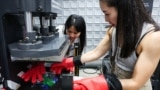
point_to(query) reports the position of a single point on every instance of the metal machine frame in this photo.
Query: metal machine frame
(22, 42)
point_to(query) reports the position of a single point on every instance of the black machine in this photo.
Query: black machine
(23, 41)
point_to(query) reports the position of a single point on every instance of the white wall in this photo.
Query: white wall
(156, 11)
(94, 18)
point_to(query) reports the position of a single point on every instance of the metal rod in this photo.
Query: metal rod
(76, 72)
(3, 54)
(28, 21)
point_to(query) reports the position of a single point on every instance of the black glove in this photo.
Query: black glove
(113, 82)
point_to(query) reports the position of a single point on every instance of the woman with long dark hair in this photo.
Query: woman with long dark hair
(134, 39)
(75, 29)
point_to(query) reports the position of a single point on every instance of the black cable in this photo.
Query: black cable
(96, 68)
(84, 70)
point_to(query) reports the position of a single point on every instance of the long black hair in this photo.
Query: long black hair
(131, 16)
(79, 23)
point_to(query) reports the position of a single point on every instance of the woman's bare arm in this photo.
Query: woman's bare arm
(100, 50)
(146, 63)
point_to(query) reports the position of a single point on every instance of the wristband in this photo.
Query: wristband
(77, 60)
